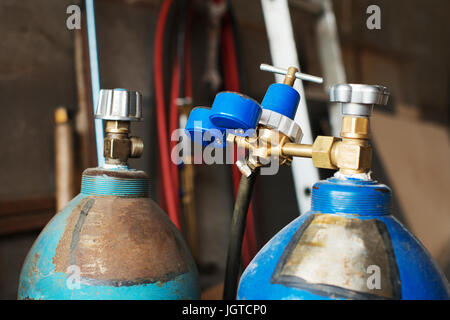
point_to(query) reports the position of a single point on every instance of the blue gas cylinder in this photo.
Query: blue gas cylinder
(347, 247)
(110, 242)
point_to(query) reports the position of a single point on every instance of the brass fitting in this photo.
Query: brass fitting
(118, 145)
(322, 151)
(289, 78)
(297, 150)
(353, 154)
(355, 127)
(265, 146)
(350, 154)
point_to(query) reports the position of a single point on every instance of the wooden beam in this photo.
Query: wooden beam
(25, 214)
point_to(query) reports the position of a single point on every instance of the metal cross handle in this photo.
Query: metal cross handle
(298, 75)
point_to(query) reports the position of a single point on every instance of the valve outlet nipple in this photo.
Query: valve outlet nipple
(137, 147)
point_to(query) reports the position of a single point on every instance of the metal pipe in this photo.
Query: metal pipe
(241, 206)
(297, 150)
(298, 75)
(95, 78)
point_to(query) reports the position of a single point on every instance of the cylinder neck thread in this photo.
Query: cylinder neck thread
(351, 196)
(118, 182)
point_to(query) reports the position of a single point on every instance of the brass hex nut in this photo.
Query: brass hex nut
(353, 157)
(117, 126)
(117, 149)
(321, 152)
(355, 127)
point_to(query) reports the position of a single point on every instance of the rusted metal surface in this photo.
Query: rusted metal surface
(121, 174)
(121, 240)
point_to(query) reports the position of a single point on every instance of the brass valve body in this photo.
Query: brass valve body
(322, 151)
(350, 154)
(355, 128)
(265, 146)
(353, 154)
(118, 145)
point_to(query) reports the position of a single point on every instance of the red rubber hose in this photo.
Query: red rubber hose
(187, 59)
(168, 187)
(173, 125)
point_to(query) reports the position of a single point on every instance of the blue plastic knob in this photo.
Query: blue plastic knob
(281, 98)
(233, 110)
(200, 129)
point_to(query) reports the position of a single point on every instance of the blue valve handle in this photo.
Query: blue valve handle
(233, 110)
(201, 130)
(282, 99)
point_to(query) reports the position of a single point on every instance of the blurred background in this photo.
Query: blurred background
(44, 66)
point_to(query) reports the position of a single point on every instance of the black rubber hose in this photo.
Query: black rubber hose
(238, 221)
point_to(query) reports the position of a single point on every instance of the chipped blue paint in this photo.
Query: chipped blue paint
(419, 274)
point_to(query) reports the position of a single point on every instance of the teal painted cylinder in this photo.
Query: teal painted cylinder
(110, 242)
